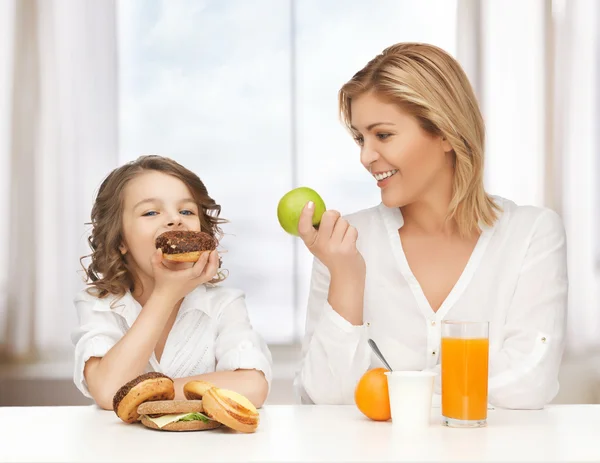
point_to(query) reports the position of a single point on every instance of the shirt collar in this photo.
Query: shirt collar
(392, 218)
(198, 299)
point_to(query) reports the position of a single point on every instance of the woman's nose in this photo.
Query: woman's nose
(368, 156)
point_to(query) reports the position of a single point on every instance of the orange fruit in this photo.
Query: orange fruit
(371, 395)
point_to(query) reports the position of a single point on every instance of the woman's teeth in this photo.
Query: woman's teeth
(384, 175)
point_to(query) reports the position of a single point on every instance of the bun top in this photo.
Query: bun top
(196, 389)
(124, 390)
(170, 407)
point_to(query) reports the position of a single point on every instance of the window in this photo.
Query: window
(245, 94)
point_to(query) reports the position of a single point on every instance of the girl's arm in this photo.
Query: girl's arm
(250, 383)
(129, 357)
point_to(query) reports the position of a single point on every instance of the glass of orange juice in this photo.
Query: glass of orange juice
(464, 355)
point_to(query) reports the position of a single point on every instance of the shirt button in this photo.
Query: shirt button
(432, 322)
(433, 353)
(368, 324)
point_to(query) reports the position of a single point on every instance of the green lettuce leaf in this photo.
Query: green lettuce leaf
(195, 417)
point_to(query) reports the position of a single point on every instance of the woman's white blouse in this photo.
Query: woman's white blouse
(516, 278)
(212, 332)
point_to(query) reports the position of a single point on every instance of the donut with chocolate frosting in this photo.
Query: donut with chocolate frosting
(185, 245)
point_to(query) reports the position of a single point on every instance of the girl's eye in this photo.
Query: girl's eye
(187, 212)
(149, 213)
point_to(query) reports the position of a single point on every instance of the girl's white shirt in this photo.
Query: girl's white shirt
(212, 332)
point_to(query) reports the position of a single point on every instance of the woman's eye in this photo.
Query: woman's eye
(149, 213)
(383, 136)
(187, 212)
(359, 140)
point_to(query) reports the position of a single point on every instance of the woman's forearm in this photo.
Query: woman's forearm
(346, 296)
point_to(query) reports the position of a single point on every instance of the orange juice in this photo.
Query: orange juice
(464, 378)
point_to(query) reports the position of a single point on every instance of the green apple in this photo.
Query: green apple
(291, 204)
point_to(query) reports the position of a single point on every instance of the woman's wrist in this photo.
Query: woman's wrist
(348, 276)
(346, 296)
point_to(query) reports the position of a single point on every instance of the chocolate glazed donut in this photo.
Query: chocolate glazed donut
(184, 246)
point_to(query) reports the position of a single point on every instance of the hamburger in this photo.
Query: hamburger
(184, 245)
(175, 415)
(149, 398)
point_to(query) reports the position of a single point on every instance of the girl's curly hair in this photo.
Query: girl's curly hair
(108, 272)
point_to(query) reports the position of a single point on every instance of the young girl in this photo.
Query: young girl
(141, 313)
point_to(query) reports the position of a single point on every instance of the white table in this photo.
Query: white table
(301, 433)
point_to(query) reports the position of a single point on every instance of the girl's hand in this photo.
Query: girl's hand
(177, 284)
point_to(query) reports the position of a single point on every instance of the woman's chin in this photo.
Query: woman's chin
(391, 200)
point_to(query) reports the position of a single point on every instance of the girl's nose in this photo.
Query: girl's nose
(174, 221)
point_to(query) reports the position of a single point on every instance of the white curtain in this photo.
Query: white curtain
(535, 68)
(577, 132)
(58, 138)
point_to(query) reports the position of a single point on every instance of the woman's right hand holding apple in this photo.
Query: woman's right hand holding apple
(334, 244)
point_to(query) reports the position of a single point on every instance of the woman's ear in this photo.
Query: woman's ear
(123, 249)
(446, 146)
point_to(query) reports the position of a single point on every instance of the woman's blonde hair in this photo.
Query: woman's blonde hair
(429, 84)
(108, 272)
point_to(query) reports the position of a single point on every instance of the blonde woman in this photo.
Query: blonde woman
(437, 247)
